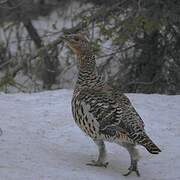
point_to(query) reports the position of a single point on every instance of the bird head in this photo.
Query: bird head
(78, 43)
(80, 46)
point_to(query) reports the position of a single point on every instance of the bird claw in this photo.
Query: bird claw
(98, 163)
(132, 168)
(130, 171)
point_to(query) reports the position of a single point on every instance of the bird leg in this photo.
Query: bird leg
(134, 155)
(133, 167)
(102, 155)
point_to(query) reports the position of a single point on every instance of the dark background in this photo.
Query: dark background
(137, 43)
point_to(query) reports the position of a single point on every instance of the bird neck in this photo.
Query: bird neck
(86, 61)
(87, 75)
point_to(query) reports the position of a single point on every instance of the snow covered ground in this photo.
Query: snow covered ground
(40, 140)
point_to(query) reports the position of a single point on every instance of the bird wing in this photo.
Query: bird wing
(113, 114)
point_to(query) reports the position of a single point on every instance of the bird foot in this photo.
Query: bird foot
(98, 163)
(132, 168)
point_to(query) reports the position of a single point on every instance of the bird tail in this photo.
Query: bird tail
(149, 145)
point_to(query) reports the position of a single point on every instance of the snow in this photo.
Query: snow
(40, 140)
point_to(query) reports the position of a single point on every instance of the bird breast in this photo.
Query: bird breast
(84, 119)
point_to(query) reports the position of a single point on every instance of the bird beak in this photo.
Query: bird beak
(65, 38)
(68, 41)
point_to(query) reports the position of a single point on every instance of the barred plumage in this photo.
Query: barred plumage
(102, 112)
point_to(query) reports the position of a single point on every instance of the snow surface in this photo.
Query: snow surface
(40, 140)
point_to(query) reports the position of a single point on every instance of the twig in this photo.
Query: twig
(3, 2)
(11, 8)
(117, 51)
(5, 64)
(143, 83)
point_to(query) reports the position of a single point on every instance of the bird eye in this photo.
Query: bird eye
(76, 38)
